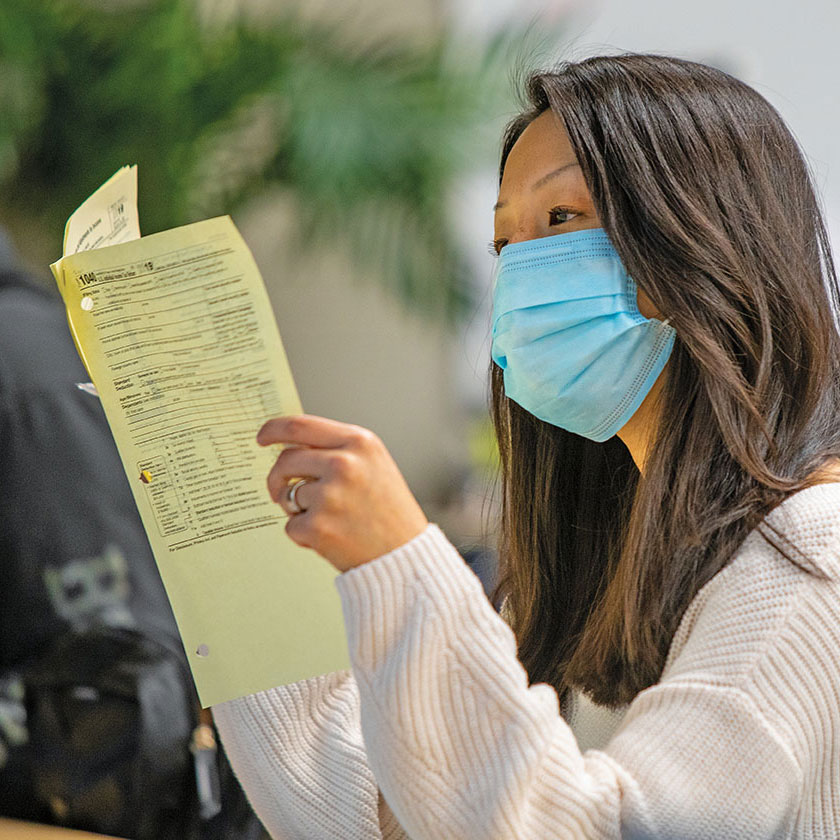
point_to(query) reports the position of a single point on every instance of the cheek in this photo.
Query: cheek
(646, 306)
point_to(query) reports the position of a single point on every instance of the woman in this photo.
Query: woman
(670, 538)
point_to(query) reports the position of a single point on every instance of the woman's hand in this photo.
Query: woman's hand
(357, 506)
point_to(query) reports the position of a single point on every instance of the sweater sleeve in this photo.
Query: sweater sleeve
(462, 747)
(297, 750)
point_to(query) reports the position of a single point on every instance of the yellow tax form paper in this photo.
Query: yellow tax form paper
(179, 338)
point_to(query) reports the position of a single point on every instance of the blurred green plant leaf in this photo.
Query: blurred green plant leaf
(365, 137)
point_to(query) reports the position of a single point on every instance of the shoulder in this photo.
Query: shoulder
(36, 348)
(760, 593)
(26, 307)
(769, 629)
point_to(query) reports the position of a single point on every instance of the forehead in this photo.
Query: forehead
(542, 146)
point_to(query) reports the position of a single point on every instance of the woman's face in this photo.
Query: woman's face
(543, 192)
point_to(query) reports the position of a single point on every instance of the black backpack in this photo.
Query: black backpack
(110, 713)
(116, 744)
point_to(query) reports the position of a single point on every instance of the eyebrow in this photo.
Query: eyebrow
(539, 182)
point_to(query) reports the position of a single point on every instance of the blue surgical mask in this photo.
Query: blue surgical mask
(575, 350)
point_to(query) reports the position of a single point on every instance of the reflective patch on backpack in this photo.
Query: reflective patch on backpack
(93, 590)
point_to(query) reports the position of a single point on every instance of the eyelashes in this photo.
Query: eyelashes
(496, 245)
(559, 211)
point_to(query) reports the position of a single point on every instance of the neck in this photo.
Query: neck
(637, 433)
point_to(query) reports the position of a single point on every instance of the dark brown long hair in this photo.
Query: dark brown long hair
(708, 201)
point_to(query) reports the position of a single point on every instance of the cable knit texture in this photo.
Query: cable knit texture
(436, 733)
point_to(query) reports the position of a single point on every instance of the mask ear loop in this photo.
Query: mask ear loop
(666, 322)
(496, 271)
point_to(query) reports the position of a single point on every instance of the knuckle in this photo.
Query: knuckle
(293, 426)
(343, 465)
(295, 528)
(324, 529)
(329, 497)
(275, 484)
(362, 437)
(296, 533)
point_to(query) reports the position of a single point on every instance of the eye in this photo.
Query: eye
(555, 217)
(556, 214)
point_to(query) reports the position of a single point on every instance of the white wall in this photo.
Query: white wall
(789, 52)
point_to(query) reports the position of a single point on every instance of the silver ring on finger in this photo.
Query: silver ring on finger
(291, 493)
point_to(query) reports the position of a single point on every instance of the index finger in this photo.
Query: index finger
(307, 430)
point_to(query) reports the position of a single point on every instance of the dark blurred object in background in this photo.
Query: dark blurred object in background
(97, 707)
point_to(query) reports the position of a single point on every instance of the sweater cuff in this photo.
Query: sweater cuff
(379, 597)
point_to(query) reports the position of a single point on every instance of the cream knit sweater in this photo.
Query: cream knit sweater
(740, 739)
